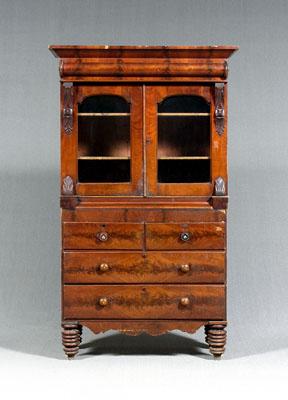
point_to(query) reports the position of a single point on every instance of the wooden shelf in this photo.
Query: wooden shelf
(128, 114)
(128, 158)
(102, 158)
(185, 158)
(183, 114)
(103, 114)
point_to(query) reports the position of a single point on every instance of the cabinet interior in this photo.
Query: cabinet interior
(183, 147)
(183, 150)
(104, 139)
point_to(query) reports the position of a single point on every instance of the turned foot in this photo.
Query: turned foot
(206, 327)
(216, 338)
(71, 338)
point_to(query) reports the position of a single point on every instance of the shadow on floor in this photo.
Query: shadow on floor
(45, 341)
(167, 344)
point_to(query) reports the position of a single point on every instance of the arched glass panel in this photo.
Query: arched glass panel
(183, 140)
(104, 139)
(104, 104)
(184, 104)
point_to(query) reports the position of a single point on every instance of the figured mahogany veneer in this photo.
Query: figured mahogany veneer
(112, 63)
(199, 236)
(139, 213)
(139, 301)
(131, 236)
(87, 235)
(141, 267)
(144, 190)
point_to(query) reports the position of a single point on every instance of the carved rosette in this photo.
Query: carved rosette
(68, 185)
(71, 338)
(68, 108)
(216, 338)
(220, 187)
(219, 108)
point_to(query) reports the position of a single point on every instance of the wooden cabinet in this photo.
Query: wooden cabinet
(143, 190)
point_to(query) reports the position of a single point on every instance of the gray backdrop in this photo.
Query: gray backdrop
(29, 146)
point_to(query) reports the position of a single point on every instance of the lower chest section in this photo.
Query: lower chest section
(141, 268)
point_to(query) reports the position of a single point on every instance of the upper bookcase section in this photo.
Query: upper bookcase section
(143, 63)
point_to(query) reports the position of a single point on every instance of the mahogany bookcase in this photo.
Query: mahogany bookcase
(143, 190)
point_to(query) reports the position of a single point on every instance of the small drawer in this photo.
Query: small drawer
(138, 267)
(90, 235)
(144, 302)
(198, 236)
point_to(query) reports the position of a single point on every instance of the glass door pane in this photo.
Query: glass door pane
(183, 150)
(108, 146)
(104, 151)
(179, 133)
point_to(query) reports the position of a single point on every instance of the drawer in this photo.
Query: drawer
(138, 267)
(144, 301)
(90, 235)
(196, 236)
(143, 214)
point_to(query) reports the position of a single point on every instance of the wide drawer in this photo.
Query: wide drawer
(139, 267)
(139, 301)
(90, 235)
(198, 236)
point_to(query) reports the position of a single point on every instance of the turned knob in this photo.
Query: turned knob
(102, 236)
(185, 268)
(103, 301)
(185, 236)
(184, 301)
(103, 267)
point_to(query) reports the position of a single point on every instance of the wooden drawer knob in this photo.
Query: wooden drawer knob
(184, 301)
(103, 267)
(185, 236)
(103, 301)
(102, 236)
(185, 268)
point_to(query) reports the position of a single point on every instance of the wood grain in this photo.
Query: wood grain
(107, 51)
(149, 301)
(203, 236)
(137, 327)
(83, 235)
(138, 267)
(152, 280)
(152, 213)
(142, 62)
(133, 95)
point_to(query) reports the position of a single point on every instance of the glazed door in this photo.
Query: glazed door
(103, 154)
(184, 153)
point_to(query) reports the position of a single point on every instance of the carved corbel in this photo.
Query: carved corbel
(219, 108)
(68, 108)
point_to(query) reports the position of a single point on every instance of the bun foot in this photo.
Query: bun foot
(71, 339)
(216, 338)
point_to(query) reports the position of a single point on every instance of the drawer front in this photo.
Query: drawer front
(199, 236)
(144, 214)
(90, 235)
(139, 301)
(152, 267)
